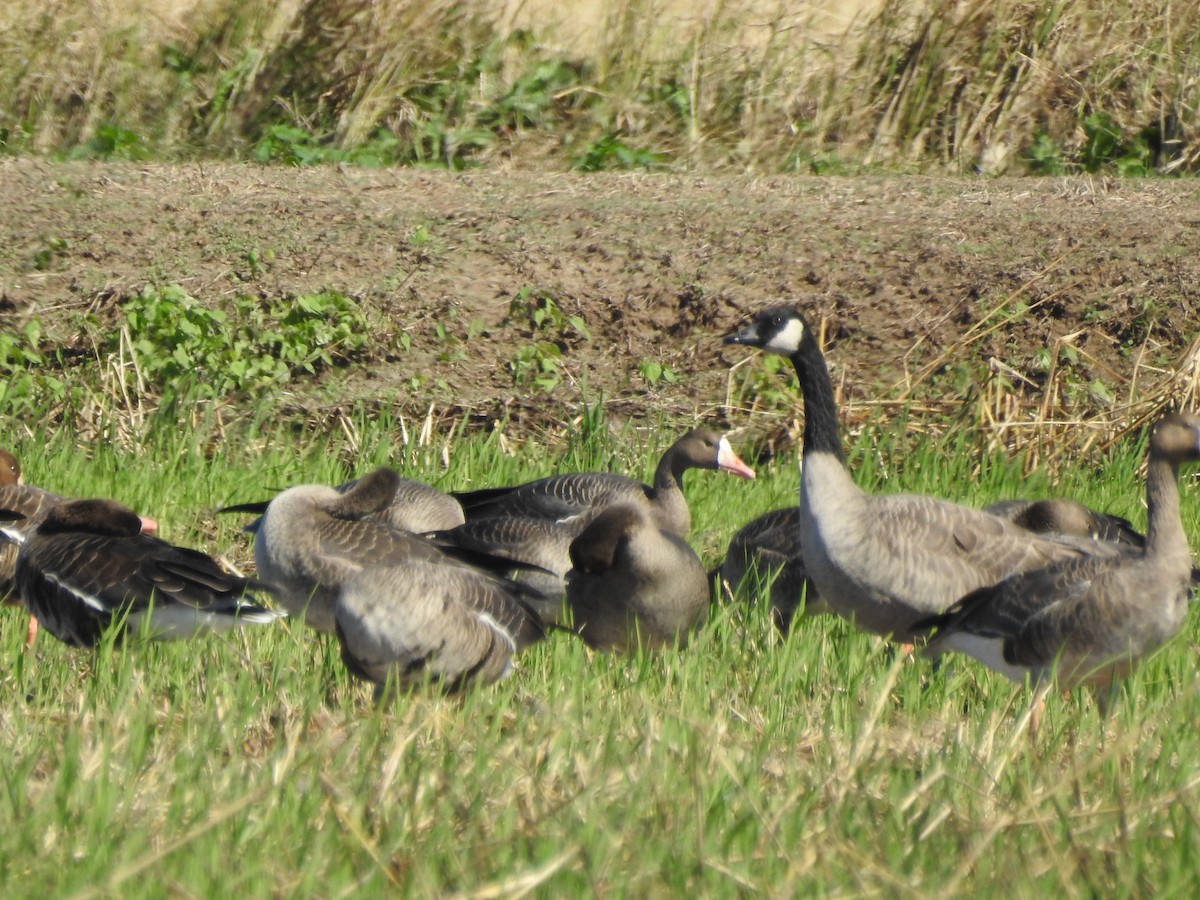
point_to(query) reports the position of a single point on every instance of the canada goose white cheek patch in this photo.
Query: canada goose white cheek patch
(788, 339)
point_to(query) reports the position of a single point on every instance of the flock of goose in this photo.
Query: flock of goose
(418, 584)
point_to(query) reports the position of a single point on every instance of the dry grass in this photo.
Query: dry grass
(745, 84)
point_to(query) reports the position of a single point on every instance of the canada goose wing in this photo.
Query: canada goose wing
(943, 548)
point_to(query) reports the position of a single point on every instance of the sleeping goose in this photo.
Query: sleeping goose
(1089, 620)
(886, 561)
(431, 619)
(573, 499)
(88, 565)
(633, 582)
(312, 539)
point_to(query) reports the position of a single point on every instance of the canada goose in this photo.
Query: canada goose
(543, 543)
(768, 549)
(88, 565)
(1088, 620)
(634, 582)
(573, 499)
(430, 619)
(311, 540)
(10, 469)
(886, 561)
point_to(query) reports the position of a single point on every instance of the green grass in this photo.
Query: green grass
(252, 764)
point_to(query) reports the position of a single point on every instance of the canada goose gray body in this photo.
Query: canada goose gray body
(426, 619)
(634, 582)
(1089, 619)
(886, 561)
(573, 499)
(88, 566)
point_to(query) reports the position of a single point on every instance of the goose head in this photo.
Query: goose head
(10, 469)
(371, 494)
(703, 448)
(1176, 437)
(780, 329)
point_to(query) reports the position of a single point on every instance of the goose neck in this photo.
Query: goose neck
(1164, 532)
(821, 433)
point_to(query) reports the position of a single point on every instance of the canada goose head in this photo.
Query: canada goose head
(1176, 437)
(10, 469)
(780, 329)
(93, 516)
(703, 448)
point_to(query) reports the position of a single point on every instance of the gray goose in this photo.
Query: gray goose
(312, 539)
(88, 566)
(572, 499)
(1089, 620)
(633, 582)
(886, 561)
(428, 619)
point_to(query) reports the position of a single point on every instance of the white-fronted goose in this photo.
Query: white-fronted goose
(1089, 620)
(765, 554)
(634, 582)
(572, 499)
(312, 539)
(886, 561)
(429, 619)
(1067, 517)
(89, 566)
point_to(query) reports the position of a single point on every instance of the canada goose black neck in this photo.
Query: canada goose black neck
(783, 330)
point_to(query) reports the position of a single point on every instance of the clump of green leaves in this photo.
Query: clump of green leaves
(182, 345)
(553, 331)
(612, 152)
(27, 385)
(770, 385)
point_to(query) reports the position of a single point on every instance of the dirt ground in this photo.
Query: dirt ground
(658, 267)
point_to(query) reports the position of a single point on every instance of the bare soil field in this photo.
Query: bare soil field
(894, 270)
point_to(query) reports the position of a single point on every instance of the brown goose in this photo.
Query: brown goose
(573, 499)
(429, 619)
(88, 566)
(1067, 517)
(634, 582)
(10, 469)
(886, 561)
(765, 553)
(312, 539)
(416, 507)
(1089, 620)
